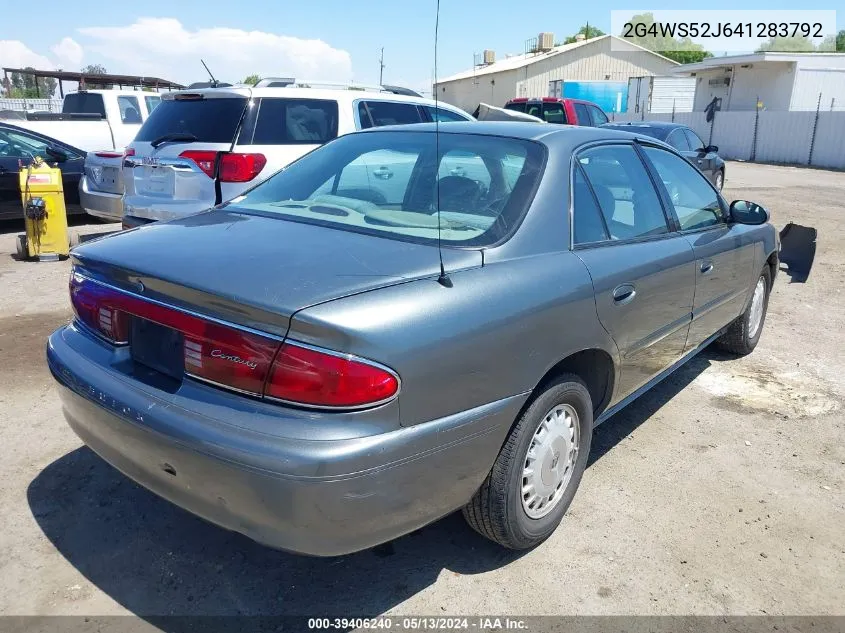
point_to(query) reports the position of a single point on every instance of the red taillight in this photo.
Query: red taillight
(109, 154)
(230, 357)
(241, 167)
(233, 167)
(129, 151)
(204, 159)
(306, 376)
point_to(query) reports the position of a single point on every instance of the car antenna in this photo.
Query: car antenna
(214, 82)
(443, 279)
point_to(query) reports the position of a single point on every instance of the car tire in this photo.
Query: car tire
(743, 334)
(499, 510)
(719, 179)
(20, 247)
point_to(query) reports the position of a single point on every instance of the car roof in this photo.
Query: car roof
(658, 129)
(547, 133)
(340, 95)
(550, 100)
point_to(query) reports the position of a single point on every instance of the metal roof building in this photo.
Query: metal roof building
(545, 68)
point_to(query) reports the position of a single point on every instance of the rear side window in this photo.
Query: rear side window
(625, 193)
(84, 103)
(583, 114)
(443, 116)
(586, 217)
(209, 120)
(554, 113)
(518, 106)
(379, 113)
(294, 121)
(129, 112)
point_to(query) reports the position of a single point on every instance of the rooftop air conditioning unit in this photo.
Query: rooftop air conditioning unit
(546, 41)
(489, 57)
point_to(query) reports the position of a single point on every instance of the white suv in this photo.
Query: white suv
(203, 147)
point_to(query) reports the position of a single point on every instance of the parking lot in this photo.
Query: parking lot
(718, 492)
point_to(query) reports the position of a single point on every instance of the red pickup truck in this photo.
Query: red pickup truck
(557, 110)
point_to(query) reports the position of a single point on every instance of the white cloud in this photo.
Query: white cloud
(162, 47)
(68, 53)
(16, 54)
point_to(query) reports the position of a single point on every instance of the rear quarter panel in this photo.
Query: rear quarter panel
(494, 334)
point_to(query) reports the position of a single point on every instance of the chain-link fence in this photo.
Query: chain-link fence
(792, 137)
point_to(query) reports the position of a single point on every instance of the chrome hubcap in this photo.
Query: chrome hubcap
(719, 178)
(758, 301)
(550, 461)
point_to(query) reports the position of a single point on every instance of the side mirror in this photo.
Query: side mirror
(56, 154)
(744, 212)
(711, 149)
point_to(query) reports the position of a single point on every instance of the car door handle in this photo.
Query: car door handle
(624, 294)
(3, 170)
(383, 173)
(706, 267)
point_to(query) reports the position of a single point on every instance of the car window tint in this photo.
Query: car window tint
(84, 103)
(598, 117)
(17, 145)
(696, 203)
(443, 116)
(535, 109)
(129, 109)
(391, 113)
(295, 122)
(393, 184)
(695, 141)
(678, 140)
(586, 219)
(582, 114)
(626, 195)
(209, 120)
(519, 106)
(152, 102)
(554, 113)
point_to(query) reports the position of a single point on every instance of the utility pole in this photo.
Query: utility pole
(381, 67)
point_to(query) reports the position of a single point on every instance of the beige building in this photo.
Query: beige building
(543, 72)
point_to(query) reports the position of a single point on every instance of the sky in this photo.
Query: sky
(330, 40)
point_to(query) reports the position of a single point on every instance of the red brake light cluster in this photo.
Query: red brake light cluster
(232, 167)
(229, 357)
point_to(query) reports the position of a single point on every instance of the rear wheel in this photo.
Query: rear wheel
(538, 470)
(743, 334)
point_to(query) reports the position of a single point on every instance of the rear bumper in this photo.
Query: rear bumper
(153, 210)
(319, 497)
(108, 206)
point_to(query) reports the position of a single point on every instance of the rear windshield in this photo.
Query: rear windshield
(519, 106)
(393, 183)
(84, 103)
(274, 121)
(209, 120)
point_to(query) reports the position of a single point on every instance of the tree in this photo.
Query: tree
(587, 31)
(94, 69)
(787, 45)
(24, 86)
(251, 80)
(840, 41)
(682, 49)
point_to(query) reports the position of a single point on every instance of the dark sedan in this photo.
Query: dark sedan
(404, 323)
(19, 146)
(683, 139)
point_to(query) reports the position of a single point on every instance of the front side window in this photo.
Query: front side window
(395, 184)
(129, 109)
(16, 145)
(625, 193)
(443, 116)
(678, 140)
(695, 142)
(295, 122)
(598, 117)
(379, 113)
(696, 202)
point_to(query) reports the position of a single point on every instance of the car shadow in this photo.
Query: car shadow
(797, 251)
(155, 559)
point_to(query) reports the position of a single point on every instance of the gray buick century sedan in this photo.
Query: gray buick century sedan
(403, 323)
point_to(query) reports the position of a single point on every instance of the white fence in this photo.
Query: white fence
(22, 105)
(798, 138)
